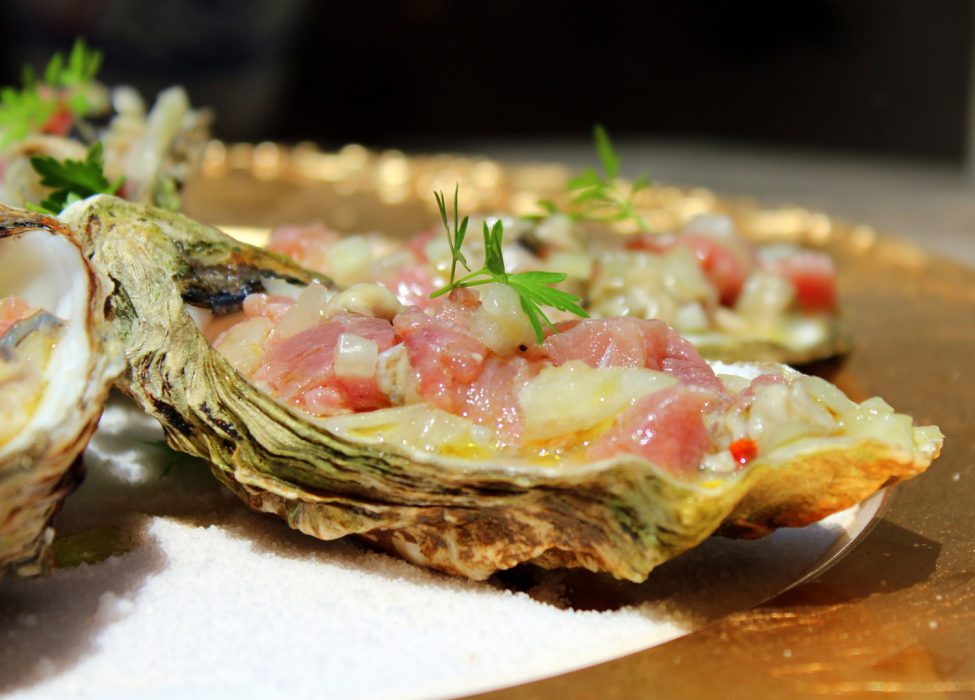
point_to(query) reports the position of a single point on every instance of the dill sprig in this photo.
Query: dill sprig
(595, 196)
(534, 288)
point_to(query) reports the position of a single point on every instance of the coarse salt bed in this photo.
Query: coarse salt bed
(210, 600)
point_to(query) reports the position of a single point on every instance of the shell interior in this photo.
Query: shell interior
(60, 362)
(50, 273)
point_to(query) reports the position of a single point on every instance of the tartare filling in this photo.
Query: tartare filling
(594, 389)
(701, 280)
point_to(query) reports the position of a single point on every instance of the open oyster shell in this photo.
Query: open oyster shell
(56, 367)
(464, 516)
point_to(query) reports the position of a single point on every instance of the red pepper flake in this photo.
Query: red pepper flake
(743, 451)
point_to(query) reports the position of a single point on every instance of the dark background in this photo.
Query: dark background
(872, 76)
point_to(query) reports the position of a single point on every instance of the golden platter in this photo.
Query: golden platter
(897, 615)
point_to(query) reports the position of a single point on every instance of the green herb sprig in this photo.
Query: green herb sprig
(597, 196)
(63, 84)
(534, 287)
(72, 180)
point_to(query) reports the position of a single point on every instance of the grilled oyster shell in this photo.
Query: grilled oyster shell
(623, 516)
(43, 263)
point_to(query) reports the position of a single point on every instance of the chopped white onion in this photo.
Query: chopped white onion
(691, 317)
(574, 397)
(355, 357)
(279, 288)
(307, 312)
(765, 297)
(716, 226)
(576, 266)
(500, 322)
(350, 260)
(243, 344)
(366, 299)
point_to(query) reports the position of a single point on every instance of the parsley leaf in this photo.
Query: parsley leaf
(533, 287)
(72, 180)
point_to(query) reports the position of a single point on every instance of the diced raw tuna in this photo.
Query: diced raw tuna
(814, 276)
(271, 306)
(445, 357)
(492, 398)
(627, 342)
(300, 368)
(725, 267)
(666, 428)
(456, 309)
(412, 285)
(306, 244)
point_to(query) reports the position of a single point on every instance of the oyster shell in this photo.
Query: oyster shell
(56, 367)
(464, 512)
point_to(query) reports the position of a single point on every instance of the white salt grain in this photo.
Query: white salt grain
(212, 601)
(112, 608)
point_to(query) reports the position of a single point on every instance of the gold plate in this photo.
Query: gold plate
(895, 616)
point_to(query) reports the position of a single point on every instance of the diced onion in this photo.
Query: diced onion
(349, 260)
(355, 357)
(716, 226)
(500, 322)
(438, 252)
(307, 312)
(279, 288)
(576, 266)
(243, 344)
(765, 296)
(683, 276)
(366, 299)
(574, 397)
(559, 232)
(691, 317)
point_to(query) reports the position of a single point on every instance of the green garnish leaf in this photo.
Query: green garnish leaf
(537, 289)
(64, 85)
(597, 196)
(607, 156)
(72, 180)
(584, 180)
(21, 112)
(455, 238)
(493, 260)
(83, 65)
(534, 287)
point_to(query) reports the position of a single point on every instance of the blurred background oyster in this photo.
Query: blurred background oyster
(63, 110)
